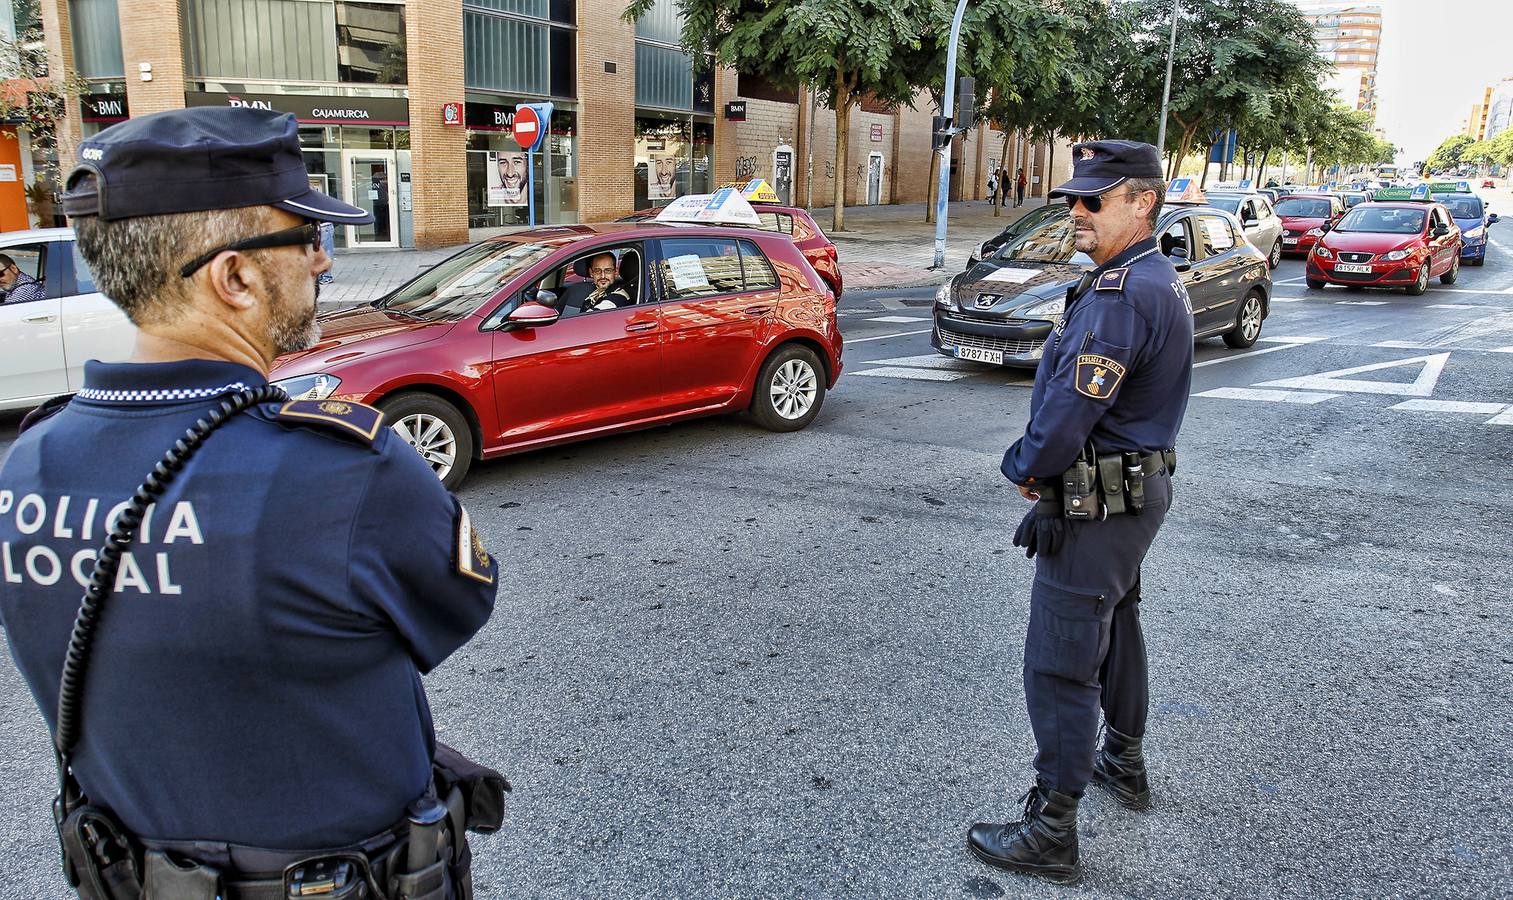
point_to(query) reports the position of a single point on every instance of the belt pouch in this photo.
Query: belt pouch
(483, 789)
(98, 857)
(1111, 480)
(430, 883)
(168, 880)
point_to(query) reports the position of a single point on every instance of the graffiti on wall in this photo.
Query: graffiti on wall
(745, 167)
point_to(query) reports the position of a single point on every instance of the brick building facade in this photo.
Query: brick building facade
(636, 121)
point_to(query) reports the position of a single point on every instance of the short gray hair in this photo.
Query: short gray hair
(136, 261)
(1140, 185)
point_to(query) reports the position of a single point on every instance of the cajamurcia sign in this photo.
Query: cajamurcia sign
(315, 110)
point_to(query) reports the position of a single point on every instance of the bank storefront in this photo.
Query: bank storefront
(497, 168)
(356, 149)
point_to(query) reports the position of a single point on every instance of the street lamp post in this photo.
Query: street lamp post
(946, 112)
(1166, 91)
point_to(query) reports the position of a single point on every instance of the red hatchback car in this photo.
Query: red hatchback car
(507, 345)
(798, 225)
(1303, 217)
(1388, 244)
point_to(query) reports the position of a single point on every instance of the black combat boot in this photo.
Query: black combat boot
(1119, 768)
(1042, 843)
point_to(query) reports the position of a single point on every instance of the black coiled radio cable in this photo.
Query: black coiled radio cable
(102, 581)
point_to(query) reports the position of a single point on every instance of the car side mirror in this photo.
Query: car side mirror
(1492, 218)
(535, 313)
(1327, 227)
(1441, 231)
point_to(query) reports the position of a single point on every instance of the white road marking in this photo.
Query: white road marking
(930, 361)
(1360, 303)
(884, 337)
(1298, 280)
(900, 319)
(1225, 359)
(1505, 419)
(1450, 406)
(1452, 306)
(915, 374)
(1403, 345)
(890, 303)
(1503, 350)
(1294, 339)
(1286, 299)
(1422, 386)
(1237, 393)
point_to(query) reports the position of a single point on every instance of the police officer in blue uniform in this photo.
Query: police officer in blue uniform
(1097, 457)
(256, 680)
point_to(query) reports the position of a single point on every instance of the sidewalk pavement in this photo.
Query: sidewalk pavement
(882, 247)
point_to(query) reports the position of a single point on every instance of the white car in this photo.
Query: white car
(44, 343)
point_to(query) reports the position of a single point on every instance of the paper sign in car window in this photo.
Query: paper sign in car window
(688, 273)
(1011, 275)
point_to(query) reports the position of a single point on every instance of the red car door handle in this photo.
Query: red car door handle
(632, 327)
(758, 310)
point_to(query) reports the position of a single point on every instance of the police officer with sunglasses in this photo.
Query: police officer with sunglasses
(1096, 458)
(251, 721)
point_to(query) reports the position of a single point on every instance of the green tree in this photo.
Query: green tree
(38, 108)
(846, 49)
(1448, 154)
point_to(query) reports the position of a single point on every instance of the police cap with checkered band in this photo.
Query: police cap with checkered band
(1100, 166)
(191, 160)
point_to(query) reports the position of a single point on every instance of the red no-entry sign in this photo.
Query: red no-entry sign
(527, 127)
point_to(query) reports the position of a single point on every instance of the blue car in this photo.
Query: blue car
(1474, 220)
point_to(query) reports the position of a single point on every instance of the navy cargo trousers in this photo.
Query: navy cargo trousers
(1084, 649)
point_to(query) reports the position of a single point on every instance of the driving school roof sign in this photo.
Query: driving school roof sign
(724, 207)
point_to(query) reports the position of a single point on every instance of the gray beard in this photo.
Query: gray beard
(293, 329)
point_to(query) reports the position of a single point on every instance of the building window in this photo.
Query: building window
(505, 51)
(370, 43)
(97, 38)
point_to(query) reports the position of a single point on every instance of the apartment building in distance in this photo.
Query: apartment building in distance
(1349, 37)
(1496, 110)
(405, 108)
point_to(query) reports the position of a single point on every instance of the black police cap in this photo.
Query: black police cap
(191, 160)
(1100, 166)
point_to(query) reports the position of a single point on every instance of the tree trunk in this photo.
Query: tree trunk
(932, 190)
(842, 129)
(1261, 169)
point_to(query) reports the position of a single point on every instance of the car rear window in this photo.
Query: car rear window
(1303, 208)
(782, 223)
(700, 267)
(1463, 207)
(1215, 234)
(1383, 220)
(756, 269)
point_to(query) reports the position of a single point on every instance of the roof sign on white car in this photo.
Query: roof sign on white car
(1184, 190)
(724, 207)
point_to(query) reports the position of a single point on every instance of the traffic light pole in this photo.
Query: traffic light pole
(946, 112)
(1166, 90)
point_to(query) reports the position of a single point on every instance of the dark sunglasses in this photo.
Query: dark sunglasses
(307, 234)
(1094, 204)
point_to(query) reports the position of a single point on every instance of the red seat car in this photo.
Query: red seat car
(798, 225)
(509, 345)
(1303, 217)
(1388, 244)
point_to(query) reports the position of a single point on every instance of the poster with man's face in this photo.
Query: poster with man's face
(507, 178)
(663, 184)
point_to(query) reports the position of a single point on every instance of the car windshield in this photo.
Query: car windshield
(1303, 207)
(1352, 200)
(1383, 220)
(1228, 204)
(1048, 240)
(1463, 207)
(457, 286)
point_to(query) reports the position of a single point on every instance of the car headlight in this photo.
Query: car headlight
(1476, 232)
(943, 296)
(309, 387)
(1045, 309)
(1322, 252)
(1315, 232)
(1396, 255)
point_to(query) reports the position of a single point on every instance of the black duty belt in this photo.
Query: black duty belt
(1099, 485)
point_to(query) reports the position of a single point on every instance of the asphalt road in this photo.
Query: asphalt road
(727, 663)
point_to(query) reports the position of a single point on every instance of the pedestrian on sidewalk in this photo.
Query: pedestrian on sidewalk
(1019, 184)
(1096, 457)
(1005, 187)
(328, 243)
(992, 186)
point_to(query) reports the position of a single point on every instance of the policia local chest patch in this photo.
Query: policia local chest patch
(1098, 376)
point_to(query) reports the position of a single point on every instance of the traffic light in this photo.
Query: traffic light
(941, 132)
(966, 103)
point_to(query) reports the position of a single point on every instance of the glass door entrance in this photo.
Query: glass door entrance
(370, 186)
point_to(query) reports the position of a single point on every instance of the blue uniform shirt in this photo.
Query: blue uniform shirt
(1116, 370)
(256, 674)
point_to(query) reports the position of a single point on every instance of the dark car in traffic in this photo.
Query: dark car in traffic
(1002, 308)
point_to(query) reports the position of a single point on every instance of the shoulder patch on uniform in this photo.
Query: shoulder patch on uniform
(1098, 376)
(469, 557)
(1112, 280)
(346, 416)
